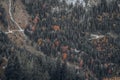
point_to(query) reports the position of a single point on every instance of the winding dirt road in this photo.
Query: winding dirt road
(12, 19)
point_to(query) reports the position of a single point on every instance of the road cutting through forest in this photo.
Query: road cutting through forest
(12, 19)
(28, 47)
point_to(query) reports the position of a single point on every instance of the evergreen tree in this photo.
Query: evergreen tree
(64, 71)
(57, 73)
(13, 70)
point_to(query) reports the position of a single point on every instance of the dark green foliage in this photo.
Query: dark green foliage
(19, 62)
(13, 70)
(3, 16)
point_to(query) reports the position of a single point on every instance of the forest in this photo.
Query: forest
(61, 31)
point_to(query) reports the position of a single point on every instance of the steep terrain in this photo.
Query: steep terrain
(64, 29)
(62, 33)
(21, 54)
(20, 13)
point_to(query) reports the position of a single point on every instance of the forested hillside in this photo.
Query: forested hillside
(61, 28)
(58, 40)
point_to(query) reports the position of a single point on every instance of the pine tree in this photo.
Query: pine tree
(57, 73)
(64, 71)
